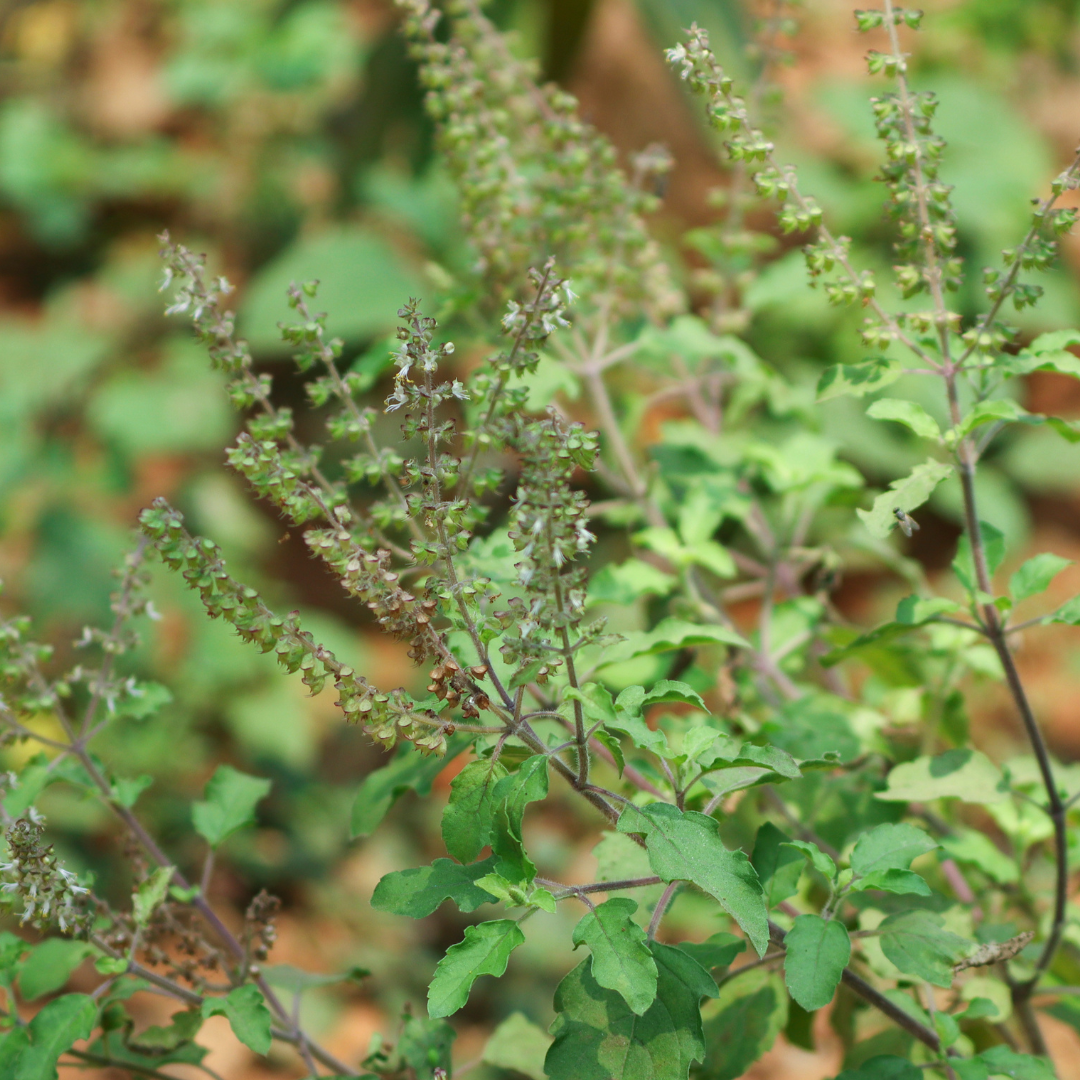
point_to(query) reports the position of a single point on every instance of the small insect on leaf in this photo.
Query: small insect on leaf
(908, 524)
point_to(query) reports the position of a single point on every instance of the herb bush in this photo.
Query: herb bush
(578, 600)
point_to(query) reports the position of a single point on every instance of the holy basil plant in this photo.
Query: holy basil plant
(637, 617)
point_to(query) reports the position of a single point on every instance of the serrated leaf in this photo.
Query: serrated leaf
(686, 846)
(598, 1037)
(621, 960)
(247, 1014)
(778, 866)
(916, 942)
(231, 798)
(857, 379)
(485, 950)
(150, 893)
(817, 951)
(908, 413)
(743, 1022)
(419, 891)
(890, 847)
(956, 774)
(469, 814)
(408, 770)
(52, 1032)
(907, 494)
(50, 964)
(717, 951)
(519, 1045)
(1035, 575)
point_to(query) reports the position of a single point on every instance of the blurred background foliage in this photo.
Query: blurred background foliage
(286, 138)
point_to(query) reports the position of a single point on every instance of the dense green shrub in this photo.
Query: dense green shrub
(577, 600)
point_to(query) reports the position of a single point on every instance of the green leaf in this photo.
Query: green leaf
(621, 960)
(598, 1037)
(52, 1032)
(687, 847)
(1035, 575)
(817, 858)
(889, 847)
(914, 610)
(916, 943)
(994, 548)
(628, 582)
(907, 494)
(162, 1039)
(231, 797)
(743, 1022)
(907, 413)
(126, 791)
(668, 635)
(883, 1067)
(857, 379)
(988, 412)
(468, 817)
(512, 794)
(957, 774)
(150, 893)
(407, 770)
(519, 1045)
(715, 952)
(33, 779)
(1001, 1061)
(50, 964)
(418, 892)
(247, 1014)
(894, 881)
(485, 950)
(778, 865)
(976, 849)
(817, 953)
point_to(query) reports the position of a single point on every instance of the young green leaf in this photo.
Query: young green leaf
(671, 634)
(884, 1067)
(150, 893)
(468, 817)
(247, 1014)
(687, 847)
(621, 960)
(231, 797)
(518, 1045)
(598, 1036)
(628, 582)
(993, 547)
(917, 944)
(907, 494)
(991, 411)
(418, 892)
(817, 953)
(894, 881)
(485, 950)
(1035, 575)
(908, 413)
(973, 848)
(1001, 1061)
(889, 847)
